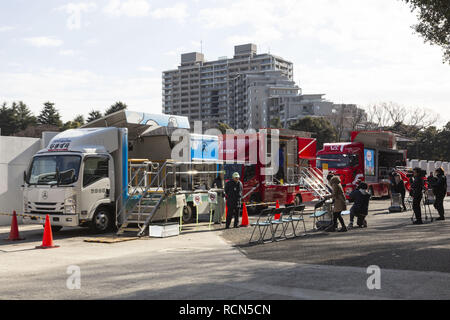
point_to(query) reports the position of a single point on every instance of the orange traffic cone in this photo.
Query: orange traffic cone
(14, 233)
(244, 216)
(226, 211)
(277, 216)
(47, 240)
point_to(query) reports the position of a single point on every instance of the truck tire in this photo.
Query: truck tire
(188, 213)
(102, 221)
(298, 200)
(254, 210)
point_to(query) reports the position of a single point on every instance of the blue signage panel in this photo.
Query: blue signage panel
(204, 148)
(369, 162)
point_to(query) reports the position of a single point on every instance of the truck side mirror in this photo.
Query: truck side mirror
(24, 176)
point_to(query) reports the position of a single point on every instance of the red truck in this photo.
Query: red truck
(370, 157)
(247, 154)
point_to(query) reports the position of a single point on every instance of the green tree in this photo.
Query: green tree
(322, 129)
(77, 122)
(79, 119)
(49, 115)
(443, 143)
(23, 116)
(434, 22)
(8, 124)
(116, 107)
(93, 115)
(275, 123)
(425, 146)
(223, 127)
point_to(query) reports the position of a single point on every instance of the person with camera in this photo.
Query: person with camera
(360, 208)
(439, 187)
(416, 193)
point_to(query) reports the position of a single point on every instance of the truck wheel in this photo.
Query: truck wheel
(102, 221)
(187, 213)
(298, 200)
(253, 210)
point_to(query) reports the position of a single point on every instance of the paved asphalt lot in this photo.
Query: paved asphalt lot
(218, 264)
(391, 242)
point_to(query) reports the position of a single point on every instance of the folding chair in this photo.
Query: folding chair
(296, 218)
(288, 220)
(277, 222)
(262, 225)
(319, 215)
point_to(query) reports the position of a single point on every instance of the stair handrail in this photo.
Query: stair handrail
(123, 207)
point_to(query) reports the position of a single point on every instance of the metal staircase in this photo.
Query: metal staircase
(313, 179)
(147, 190)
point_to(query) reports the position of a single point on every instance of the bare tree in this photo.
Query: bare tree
(389, 114)
(378, 116)
(422, 118)
(347, 118)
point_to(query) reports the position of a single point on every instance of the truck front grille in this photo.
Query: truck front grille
(46, 207)
(46, 212)
(45, 203)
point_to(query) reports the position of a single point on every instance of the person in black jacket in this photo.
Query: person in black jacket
(439, 186)
(398, 186)
(417, 193)
(360, 208)
(233, 194)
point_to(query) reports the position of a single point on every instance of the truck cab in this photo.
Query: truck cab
(345, 160)
(370, 157)
(74, 179)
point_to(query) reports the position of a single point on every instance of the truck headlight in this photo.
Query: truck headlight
(69, 209)
(70, 204)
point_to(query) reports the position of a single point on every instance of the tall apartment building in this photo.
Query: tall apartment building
(211, 91)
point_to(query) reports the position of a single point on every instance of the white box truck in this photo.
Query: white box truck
(82, 177)
(78, 178)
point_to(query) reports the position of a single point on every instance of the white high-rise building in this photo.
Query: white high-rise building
(209, 91)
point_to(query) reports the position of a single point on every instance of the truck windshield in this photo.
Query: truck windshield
(334, 161)
(55, 169)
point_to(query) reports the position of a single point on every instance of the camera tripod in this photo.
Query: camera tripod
(428, 199)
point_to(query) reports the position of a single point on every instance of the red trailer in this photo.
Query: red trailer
(370, 156)
(250, 156)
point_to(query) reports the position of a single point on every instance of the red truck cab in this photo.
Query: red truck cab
(371, 156)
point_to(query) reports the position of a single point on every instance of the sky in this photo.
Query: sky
(85, 55)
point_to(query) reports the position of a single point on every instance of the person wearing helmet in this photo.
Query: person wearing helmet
(233, 195)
